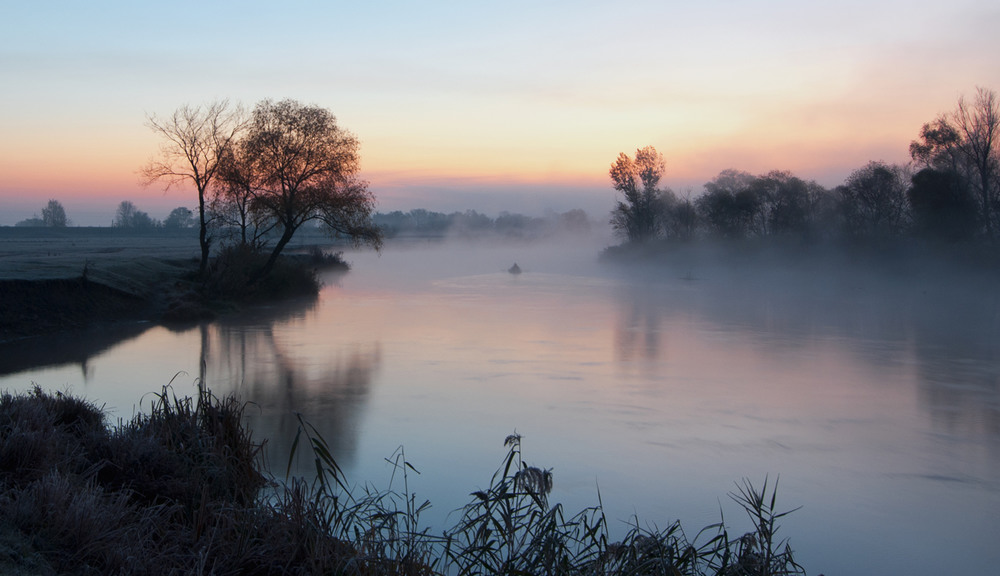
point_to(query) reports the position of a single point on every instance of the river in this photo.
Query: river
(872, 399)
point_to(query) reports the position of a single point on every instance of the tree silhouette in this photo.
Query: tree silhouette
(873, 200)
(938, 146)
(942, 206)
(128, 216)
(54, 215)
(978, 126)
(966, 144)
(179, 217)
(785, 202)
(234, 200)
(638, 216)
(299, 166)
(729, 205)
(195, 138)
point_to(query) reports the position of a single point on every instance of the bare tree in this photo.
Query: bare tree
(124, 215)
(965, 145)
(874, 200)
(301, 167)
(54, 215)
(234, 200)
(195, 138)
(978, 125)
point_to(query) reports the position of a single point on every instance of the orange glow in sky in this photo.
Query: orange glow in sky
(472, 101)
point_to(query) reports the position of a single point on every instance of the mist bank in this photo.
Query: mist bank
(900, 256)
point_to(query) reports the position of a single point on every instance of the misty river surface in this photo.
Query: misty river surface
(876, 402)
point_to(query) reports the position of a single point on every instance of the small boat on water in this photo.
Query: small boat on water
(515, 269)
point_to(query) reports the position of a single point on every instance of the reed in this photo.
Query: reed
(183, 489)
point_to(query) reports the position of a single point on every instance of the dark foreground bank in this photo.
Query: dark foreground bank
(183, 490)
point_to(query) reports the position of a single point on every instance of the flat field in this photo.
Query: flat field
(134, 262)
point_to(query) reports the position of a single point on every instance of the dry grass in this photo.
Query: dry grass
(182, 490)
(175, 491)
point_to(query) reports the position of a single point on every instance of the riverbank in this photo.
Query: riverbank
(71, 279)
(75, 279)
(32, 308)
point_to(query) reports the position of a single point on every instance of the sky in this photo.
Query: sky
(517, 106)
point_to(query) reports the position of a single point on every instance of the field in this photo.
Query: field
(132, 262)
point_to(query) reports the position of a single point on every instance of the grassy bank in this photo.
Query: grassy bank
(183, 489)
(72, 284)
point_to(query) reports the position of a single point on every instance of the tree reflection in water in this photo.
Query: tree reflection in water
(946, 331)
(71, 347)
(266, 366)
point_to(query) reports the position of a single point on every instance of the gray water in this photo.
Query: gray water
(873, 397)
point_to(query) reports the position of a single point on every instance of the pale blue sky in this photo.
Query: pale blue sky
(475, 104)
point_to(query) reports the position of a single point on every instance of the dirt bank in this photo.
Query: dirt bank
(35, 307)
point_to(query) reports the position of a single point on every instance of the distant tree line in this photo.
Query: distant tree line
(128, 216)
(950, 191)
(426, 223)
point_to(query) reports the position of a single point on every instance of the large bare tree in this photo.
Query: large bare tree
(966, 143)
(978, 125)
(195, 138)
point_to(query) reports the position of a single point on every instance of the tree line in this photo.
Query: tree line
(421, 222)
(127, 215)
(949, 191)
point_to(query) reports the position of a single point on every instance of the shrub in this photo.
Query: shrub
(235, 275)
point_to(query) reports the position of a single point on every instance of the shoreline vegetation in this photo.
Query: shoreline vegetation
(184, 489)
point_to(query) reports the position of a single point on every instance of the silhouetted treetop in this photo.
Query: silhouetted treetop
(300, 166)
(195, 137)
(54, 215)
(637, 217)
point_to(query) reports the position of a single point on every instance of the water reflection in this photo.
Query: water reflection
(947, 333)
(958, 369)
(263, 361)
(71, 348)
(876, 403)
(637, 332)
(877, 398)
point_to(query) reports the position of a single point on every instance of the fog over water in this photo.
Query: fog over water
(872, 389)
